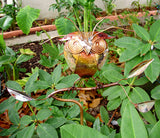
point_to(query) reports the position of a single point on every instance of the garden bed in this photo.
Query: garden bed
(107, 107)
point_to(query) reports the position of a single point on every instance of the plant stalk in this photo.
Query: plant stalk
(32, 110)
(85, 19)
(132, 81)
(77, 18)
(46, 34)
(73, 101)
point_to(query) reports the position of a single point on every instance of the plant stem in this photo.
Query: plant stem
(14, 73)
(132, 81)
(77, 18)
(112, 117)
(126, 94)
(46, 34)
(85, 19)
(73, 101)
(89, 16)
(32, 110)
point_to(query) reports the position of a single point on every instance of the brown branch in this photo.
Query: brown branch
(73, 101)
(112, 117)
(83, 89)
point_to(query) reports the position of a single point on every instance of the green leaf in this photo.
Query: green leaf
(6, 59)
(53, 51)
(141, 32)
(56, 121)
(128, 42)
(157, 45)
(153, 70)
(157, 109)
(30, 84)
(155, 131)
(131, 124)
(27, 51)
(69, 80)
(45, 76)
(56, 74)
(13, 116)
(145, 48)
(155, 31)
(14, 85)
(43, 114)
(155, 93)
(105, 130)
(104, 114)
(25, 18)
(123, 105)
(11, 130)
(10, 52)
(111, 66)
(25, 120)
(79, 131)
(74, 111)
(23, 58)
(5, 22)
(88, 117)
(46, 131)
(139, 95)
(48, 62)
(141, 81)
(130, 53)
(123, 94)
(27, 132)
(113, 104)
(41, 85)
(64, 26)
(61, 86)
(2, 43)
(149, 117)
(113, 92)
(96, 124)
(112, 75)
(7, 104)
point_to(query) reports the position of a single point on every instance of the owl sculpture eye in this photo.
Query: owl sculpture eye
(99, 46)
(75, 46)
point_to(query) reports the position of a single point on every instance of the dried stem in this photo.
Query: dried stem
(97, 25)
(111, 117)
(73, 101)
(126, 94)
(111, 28)
(83, 89)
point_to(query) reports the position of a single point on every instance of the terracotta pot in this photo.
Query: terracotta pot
(53, 27)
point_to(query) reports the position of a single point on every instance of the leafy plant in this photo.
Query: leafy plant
(149, 3)
(140, 50)
(9, 60)
(49, 117)
(11, 10)
(25, 18)
(46, 121)
(136, 4)
(109, 6)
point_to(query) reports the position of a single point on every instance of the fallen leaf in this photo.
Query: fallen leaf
(95, 102)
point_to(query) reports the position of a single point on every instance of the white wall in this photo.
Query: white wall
(43, 5)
